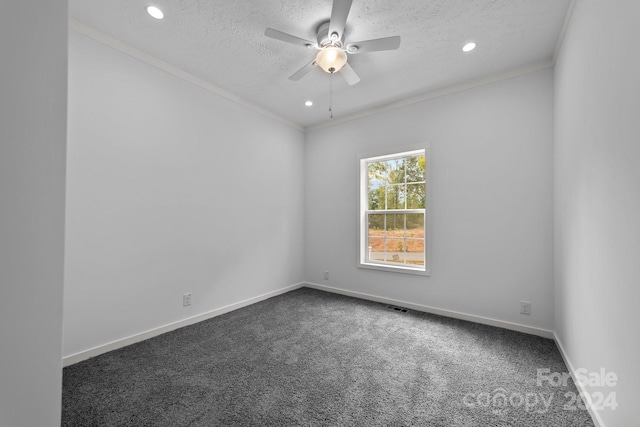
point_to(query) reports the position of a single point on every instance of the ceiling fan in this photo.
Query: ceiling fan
(331, 46)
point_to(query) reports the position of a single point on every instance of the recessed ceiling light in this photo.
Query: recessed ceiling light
(468, 47)
(308, 103)
(155, 12)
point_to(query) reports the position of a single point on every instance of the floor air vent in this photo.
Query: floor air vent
(394, 308)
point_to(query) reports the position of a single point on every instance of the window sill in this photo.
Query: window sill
(395, 269)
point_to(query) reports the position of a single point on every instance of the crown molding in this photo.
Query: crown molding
(426, 96)
(122, 47)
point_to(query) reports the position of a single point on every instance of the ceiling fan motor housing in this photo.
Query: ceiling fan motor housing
(325, 39)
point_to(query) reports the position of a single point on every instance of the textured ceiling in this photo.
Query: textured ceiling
(223, 43)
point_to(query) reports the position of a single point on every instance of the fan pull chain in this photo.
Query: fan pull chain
(331, 96)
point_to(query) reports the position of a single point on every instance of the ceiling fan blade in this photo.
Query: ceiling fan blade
(279, 35)
(303, 71)
(339, 14)
(387, 43)
(349, 75)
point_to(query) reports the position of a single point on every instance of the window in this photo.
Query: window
(393, 212)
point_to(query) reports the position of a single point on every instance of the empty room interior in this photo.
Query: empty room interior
(447, 207)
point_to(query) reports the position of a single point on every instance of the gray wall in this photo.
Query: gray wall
(597, 198)
(171, 189)
(491, 200)
(33, 109)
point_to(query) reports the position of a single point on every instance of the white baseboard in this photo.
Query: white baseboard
(114, 345)
(433, 310)
(595, 416)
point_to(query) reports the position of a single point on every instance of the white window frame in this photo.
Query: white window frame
(363, 202)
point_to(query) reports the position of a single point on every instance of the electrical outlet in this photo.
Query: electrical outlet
(186, 299)
(525, 307)
(326, 275)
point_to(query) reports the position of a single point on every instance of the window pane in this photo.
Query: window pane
(396, 195)
(376, 182)
(376, 198)
(376, 249)
(376, 237)
(395, 225)
(415, 225)
(415, 196)
(376, 224)
(378, 172)
(415, 239)
(415, 167)
(395, 250)
(385, 172)
(396, 171)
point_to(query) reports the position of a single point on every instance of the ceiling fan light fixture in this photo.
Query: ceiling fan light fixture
(331, 59)
(332, 48)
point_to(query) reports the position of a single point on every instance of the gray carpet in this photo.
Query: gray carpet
(310, 358)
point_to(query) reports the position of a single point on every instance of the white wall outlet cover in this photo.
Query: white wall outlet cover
(186, 300)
